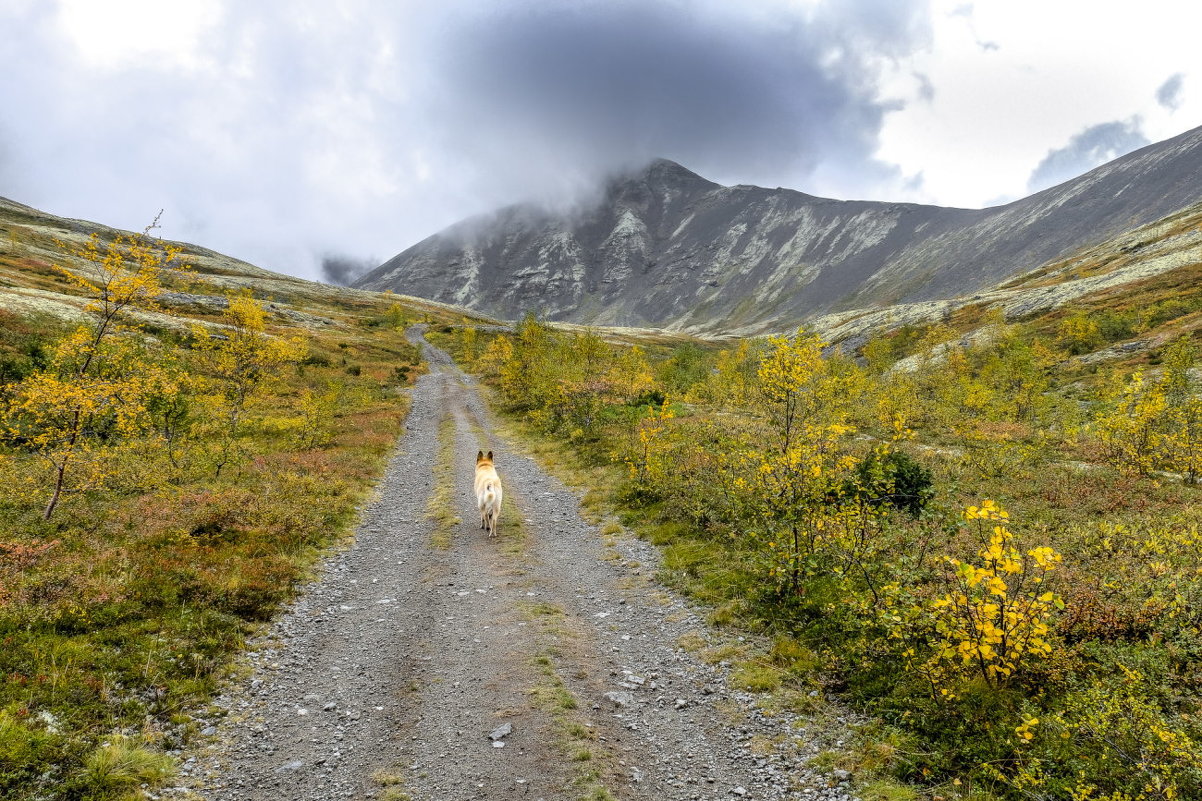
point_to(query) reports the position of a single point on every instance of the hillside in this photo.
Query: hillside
(1150, 269)
(32, 241)
(668, 248)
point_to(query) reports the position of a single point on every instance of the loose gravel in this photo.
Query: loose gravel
(425, 670)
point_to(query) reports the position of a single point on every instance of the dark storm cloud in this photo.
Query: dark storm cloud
(1091, 147)
(292, 130)
(1169, 93)
(343, 270)
(555, 95)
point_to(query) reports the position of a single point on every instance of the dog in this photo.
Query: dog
(488, 492)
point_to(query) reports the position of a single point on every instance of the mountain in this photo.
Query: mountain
(665, 247)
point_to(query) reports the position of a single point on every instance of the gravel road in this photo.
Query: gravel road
(542, 664)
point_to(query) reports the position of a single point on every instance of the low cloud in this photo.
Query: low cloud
(343, 270)
(1169, 93)
(1090, 148)
(553, 97)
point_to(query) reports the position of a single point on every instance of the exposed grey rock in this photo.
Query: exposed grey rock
(1117, 351)
(620, 699)
(213, 304)
(501, 732)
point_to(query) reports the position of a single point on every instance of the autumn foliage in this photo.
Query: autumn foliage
(928, 526)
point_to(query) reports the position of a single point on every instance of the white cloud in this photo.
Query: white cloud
(1059, 68)
(118, 33)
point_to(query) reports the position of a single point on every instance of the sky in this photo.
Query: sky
(319, 138)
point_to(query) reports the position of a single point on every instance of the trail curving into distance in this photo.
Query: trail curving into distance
(424, 637)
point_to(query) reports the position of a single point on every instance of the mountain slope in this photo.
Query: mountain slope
(665, 247)
(32, 242)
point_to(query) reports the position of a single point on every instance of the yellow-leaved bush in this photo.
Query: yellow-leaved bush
(801, 460)
(238, 362)
(93, 395)
(1155, 423)
(995, 613)
(649, 464)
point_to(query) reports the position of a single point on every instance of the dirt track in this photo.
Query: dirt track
(389, 673)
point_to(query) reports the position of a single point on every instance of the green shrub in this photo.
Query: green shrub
(895, 479)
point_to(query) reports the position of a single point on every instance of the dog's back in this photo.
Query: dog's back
(488, 492)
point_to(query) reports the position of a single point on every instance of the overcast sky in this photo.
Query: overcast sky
(287, 131)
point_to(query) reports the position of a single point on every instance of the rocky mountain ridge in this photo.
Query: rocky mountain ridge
(668, 248)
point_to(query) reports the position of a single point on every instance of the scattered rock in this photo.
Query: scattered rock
(620, 699)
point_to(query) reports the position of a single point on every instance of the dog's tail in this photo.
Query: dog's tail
(490, 507)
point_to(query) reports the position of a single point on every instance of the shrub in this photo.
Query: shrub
(896, 479)
(993, 616)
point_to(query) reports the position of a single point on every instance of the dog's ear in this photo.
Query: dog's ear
(490, 456)
(479, 455)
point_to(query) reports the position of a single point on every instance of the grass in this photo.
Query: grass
(392, 786)
(576, 739)
(756, 678)
(887, 790)
(440, 507)
(124, 763)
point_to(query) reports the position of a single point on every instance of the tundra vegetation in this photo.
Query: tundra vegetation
(165, 483)
(995, 552)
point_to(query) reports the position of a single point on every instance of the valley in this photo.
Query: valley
(929, 549)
